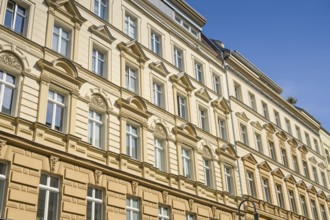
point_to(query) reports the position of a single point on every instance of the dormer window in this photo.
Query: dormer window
(186, 25)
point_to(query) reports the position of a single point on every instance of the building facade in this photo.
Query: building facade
(125, 110)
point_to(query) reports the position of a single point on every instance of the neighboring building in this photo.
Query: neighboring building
(125, 110)
(325, 142)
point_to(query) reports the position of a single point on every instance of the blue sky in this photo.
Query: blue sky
(289, 40)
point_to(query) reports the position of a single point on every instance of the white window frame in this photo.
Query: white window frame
(279, 195)
(306, 169)
(98, 57)
(95, 200)
(159, 154)
(130, 209)
(101, 5)
(222, 124)
(315, 174)
(316, 145)
(244, 134)
(323, 212)
(182, 106)
(14, 17)
(266, 190)
(130, 136)
(55, 104)
(199, 75)
(190, 217)
(162, 214)
(288, 126)
(95, 122)
(238, 91)
(229, 179)
(3, 178)
(298, 131)
(324, 179)
(251, 184)
(295, 163)
(265, 110)
(277, 118)
(252, 99)
(272, 151)
(308, 139)
(156, 43)
(217, 84)
(178, 58)
(292, 200)
(207, 170)
(131, 24)
(158, 94)
(303, 206)
(3, 85)
(203, 118)
(186, 158)
(284, 157)
(259, 143)
(314, 210)
(131, 79)
(61, 39)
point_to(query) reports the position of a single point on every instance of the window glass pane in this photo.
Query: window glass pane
(55, 40)
(52, 206)
(8, 99)
(10, 79)
(2, 169)
(64, 47)
(54, 182)
(19, 25)
(41, 204)
(58, 118)
(90, 192)
(49, 114)
(8, 18)
(98, 211)
(89, 210)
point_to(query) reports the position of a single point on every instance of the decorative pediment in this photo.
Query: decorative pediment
(203, 94)
(186, 130)
(257, 125)
(207, 153)
(312, 189)
(159, 67)
(228, 150)
(183, 79)
(289, 178)
(67, 7)
(281, 135)
(133, 105)
(102, 32)
(160, 130)
(277, 172)
(242, 116)
(301, 184)
(264, 166)
(312, 160)
(250, 159)
(134, 49)
(98, 102)
(222, 104)
(303, 149)
(293, 142)
(321, 165)
(11, 62)
(270, 128)
(321, 194)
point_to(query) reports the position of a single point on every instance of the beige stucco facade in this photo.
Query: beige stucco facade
(192, 145)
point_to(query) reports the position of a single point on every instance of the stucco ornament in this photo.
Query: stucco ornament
(214, 210)
(191, 203)
(165, 197)
(53, 161)
(134, 187)
(98, 101)
(98, 175)
(10, 60)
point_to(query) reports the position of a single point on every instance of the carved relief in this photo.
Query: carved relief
(214, 210)
(53, 161)
(270, 136)
(98, 175)
(134, 187)
(160, 130)
(206, 152)
(10, 60)
(165, 197)
(191, 203)
(98, 101)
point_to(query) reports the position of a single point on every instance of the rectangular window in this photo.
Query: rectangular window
(61, 41)
(3, 180)
(203, 119)
(95, 129)
(48, 201)
(298, 133)
(251, 184)
(303, 206)
(244, 135)
(207, 172)
(178, 58)
(186, 163)
(132, 209)
(323, 213)
(277, 118)
(158, 94)
(259, 143)
(238, 91)
(279, 194)
(94, 204)
(199, 72)
(229, 179)
(190, 217)
(288, 126)
(284, 157)
(316, 177)
(295, 163)
(159, 154)
(217, 84)
(15, 18)
(314, 210)
(316, 145)
(132, 141)
(308, 140)
(131, 79)
(266, 190)
(55, 111)
(182, 107)
(101, 8)
(131, 26)
(324, 180)
(252, 100)
(98, 60)
(306, 170)
(223, 129)
(7, 89)
(265, 110)
(155, 42)
(272, 153)
(327, 154)
(186, 26)
(292, 201)
(164, 213)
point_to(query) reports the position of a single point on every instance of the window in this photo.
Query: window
(190, 217)
(164, 213)
(98, 63)
(132, 209)
(314, 210)
(178, 58)
(244, 135)
(158, 94)
(182, 107)
(223, 128)
(229, 179)
(101, 8)
(295, 163)
(306, 171)
(266, 190)
(186, 163)
(327, 155)
(15, 17)
(3, 180)
(316, 145)
(252, 100)
(95, 128)
(272, 153)
(316, 178)
(48, 201)
(159, 154)
(7, 89)
(265, 110)
(155, 42)
(288, 126)
(185, 25)
(323, 214)
(284, 157)
(131, 26)
(308, 140)
(277, 119)
(279, 194)
(132, 141)
(217, 84)
(203, 119)
(55, 111)
(61, 41)
(207, 172)
(303, 206)
(298, 133)
(251, 184)
(292, 201)
(131, 79)
(94, 204)
(199, 72)
(259, 143)
(238, 91)
(324, 180)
